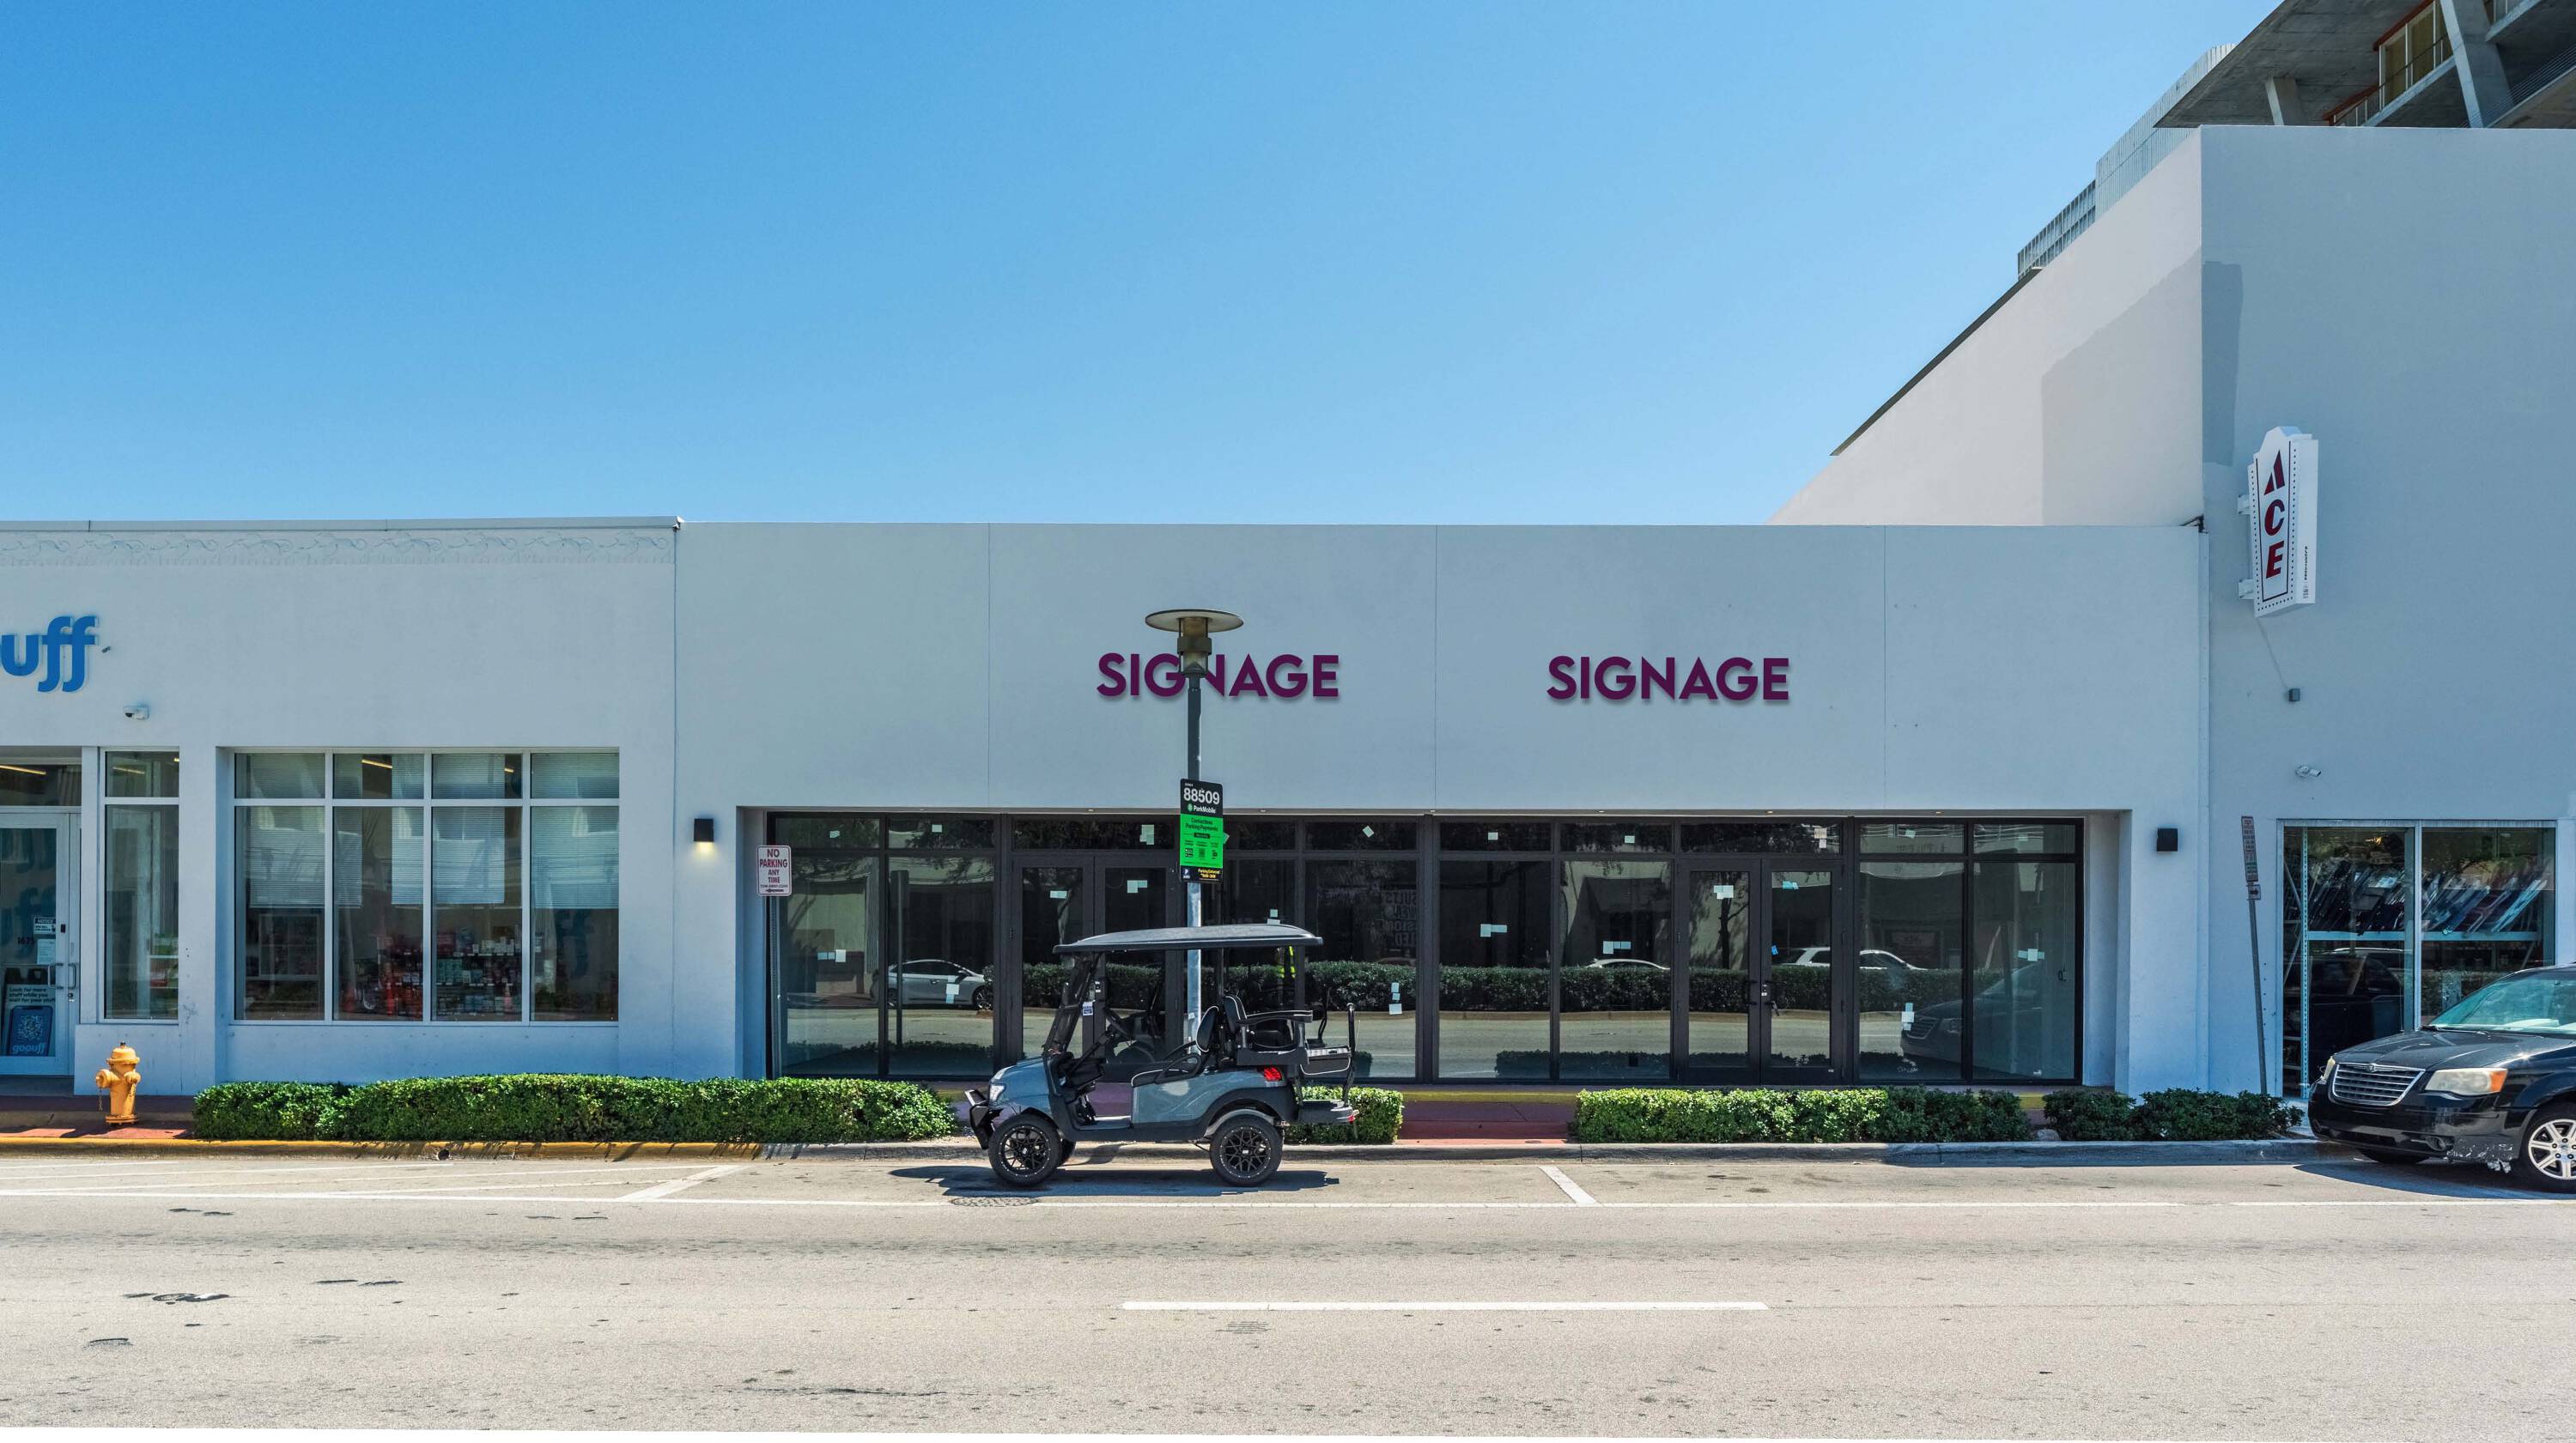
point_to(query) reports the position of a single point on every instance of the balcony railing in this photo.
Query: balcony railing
(2363, 108)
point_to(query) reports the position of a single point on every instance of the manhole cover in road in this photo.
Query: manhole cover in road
(993, 1202)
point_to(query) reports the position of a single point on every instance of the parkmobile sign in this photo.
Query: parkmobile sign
(2280, 505)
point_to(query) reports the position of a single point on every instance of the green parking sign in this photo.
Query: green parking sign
(1202, 831)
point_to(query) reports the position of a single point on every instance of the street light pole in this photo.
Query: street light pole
(1191, 1006)
(1194, 628)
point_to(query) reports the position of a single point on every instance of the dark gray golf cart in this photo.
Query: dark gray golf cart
(1232, 1088)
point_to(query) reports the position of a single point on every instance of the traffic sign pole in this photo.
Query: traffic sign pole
(1191, 1032)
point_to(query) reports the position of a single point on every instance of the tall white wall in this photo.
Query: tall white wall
(2409, 297)
(2076, 403)
(957, 667)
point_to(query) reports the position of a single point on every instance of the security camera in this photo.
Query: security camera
(138, 711)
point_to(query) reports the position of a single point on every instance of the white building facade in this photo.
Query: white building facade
(1573, 805)
(2401, 747)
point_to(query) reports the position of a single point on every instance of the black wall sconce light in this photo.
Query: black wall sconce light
(703, 831)
(2168, 839)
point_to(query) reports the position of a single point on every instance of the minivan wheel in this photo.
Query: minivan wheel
(1245, 1150)
(2393, 1158)
(1024, 1151)
(2547, 1157)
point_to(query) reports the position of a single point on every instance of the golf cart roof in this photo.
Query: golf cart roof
(1232, 936)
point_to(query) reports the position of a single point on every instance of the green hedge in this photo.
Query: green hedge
(573, 1107)
(2176, 1114)
(1853, 1114)
(1381, 1116)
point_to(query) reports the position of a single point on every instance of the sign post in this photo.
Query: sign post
(2254, 942)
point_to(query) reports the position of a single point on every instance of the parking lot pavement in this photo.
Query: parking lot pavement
(1777, 1299)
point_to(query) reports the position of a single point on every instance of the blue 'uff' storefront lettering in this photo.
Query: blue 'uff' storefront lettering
(75, 635)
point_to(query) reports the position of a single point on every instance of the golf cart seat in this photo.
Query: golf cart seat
(1211, 1038)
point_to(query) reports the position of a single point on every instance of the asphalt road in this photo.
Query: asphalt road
(2330, 1300)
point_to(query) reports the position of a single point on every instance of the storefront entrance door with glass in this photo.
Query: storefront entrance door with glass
(37, 968)
(1764, 977)
(1068, 896)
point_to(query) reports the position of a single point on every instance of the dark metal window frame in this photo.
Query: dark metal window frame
(1426, 854)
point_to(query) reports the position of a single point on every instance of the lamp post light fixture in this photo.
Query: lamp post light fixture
(1195, 626)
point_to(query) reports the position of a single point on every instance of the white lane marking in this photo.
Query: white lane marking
(665, 1189)
(1237, 1203)
(1566, 1185)
(1448, 1306)
(189, 1179)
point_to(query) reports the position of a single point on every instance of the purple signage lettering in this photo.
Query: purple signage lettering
(1621, 678)
(1288, 675)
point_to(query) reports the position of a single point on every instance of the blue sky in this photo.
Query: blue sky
(1561, 263)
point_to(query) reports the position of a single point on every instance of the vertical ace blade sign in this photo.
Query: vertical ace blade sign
(2280, 506)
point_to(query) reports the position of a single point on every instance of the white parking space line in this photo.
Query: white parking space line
(1449, 1306)
(1566, 1185)
(665, 1189)
(190, 1177)
(617, 1435)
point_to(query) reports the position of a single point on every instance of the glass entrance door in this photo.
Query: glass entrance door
(1765, 976)
(1064, 899)
(36, 964)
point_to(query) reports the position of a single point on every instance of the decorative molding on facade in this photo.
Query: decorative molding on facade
(327, 548)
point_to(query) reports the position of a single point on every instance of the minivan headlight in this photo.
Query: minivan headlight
(2466, 1081)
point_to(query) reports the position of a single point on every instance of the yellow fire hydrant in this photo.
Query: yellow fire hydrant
(122, 1080)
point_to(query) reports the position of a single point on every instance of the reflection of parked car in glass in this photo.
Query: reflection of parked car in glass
(1869, 957)
(2491, 1080)
(1625, 964)
(2020, 995)
(930, 982)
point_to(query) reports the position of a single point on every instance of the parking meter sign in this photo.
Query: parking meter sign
(1202, 831)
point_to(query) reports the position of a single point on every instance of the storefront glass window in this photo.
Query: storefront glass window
(1368, 835)
(827, 986)
(939, 834)
(1052, 912)
(1766, 837)
(1368, 914)
(2025, 967)
(1618, 837)
(2046, 837)
(1254, 834)
(474, 776)
(376, 869)
(142, 774)
(475, 881)
(1913, 1022)
(1721, 945)
(142, 912)
(1878, 838)
(1091, 834)
(430, 895)
(280, 933)
(2488, 911)
(572, 912)
(1615, 986)
(573, 776)
(377, 776)
(274, 776)
(1497, 836)
(1256, 890)
(939, 985)
(1494, 933)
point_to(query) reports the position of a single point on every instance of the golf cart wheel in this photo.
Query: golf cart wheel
(2546, 1156)
(1245, 1150)
(1024, 1151)
(2389, 1157)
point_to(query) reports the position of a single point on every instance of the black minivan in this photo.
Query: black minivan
(2493, 1080)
